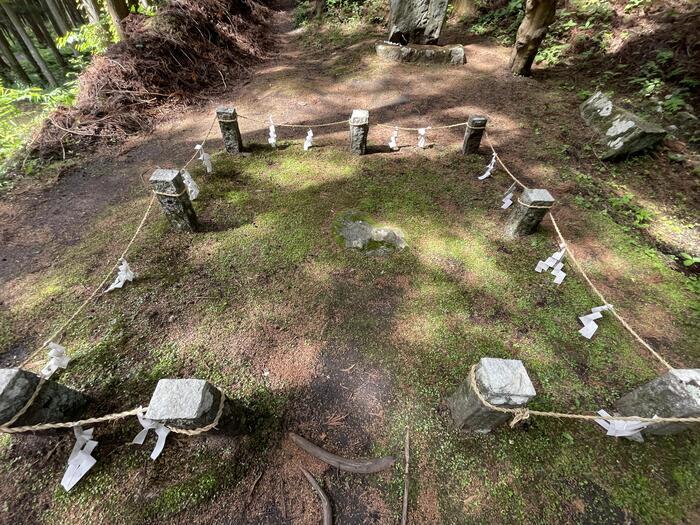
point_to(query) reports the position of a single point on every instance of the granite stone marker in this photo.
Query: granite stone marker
(416, 21)
(528, 212)
(55, 403)
(184, 403)
(674, 394)
(171, 191)
(231, 133)
(359, 129)
(427, 54)
(503, 383)
(476, 125)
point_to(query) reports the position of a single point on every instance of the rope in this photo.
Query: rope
(207, 428)
(26, 406)
(458, 124)
(206, 137)
(603, 299)
(498, 158)
(533, 206)
(267, 123)
(520, 414)
(174, 195)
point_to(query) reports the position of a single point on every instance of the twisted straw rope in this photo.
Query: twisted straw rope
(520, 414)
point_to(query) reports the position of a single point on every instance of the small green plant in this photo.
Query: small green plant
(636, 4)
(689, 260)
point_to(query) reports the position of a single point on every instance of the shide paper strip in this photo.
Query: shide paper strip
(204, 157)
(80, 460)
(309, 141)
(160, 429)
(421, 138)
(57, 359)
(628, 429)
(272, 139)
(589, 324)
(125, 274)
(554, 262)
(508, 197)
(192, 187)
(489, 168)
(393, 141)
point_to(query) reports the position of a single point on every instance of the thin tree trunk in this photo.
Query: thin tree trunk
(92, 10)
(14, 37)
(539, 14)
(57, 17)
(49, 14)
(41, 32)
(45, 71)
(11, 59)
(5, 73)
(71, 10)
(118, 10)
(318, 8)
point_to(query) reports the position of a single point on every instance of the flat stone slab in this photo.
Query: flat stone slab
(426, 54)
(621, 132)
(358, 233)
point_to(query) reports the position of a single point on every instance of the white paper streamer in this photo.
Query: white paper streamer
(272, 139)
(489, 168)
(589, 325)
(628, 429)
(125, 274)
(508, 197)
(192, 187)
(309, 141)
(80, 459)
(421, 138)
(57, 359)
(160, 429)
(204, 157)
(393, 141)
(554, 262)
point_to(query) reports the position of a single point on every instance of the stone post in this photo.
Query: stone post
(528, 212)
(674, 394)
(172, 194)
(359, 128)
(503, 383)
(228, 122)
(472, 135)
(55, 402)
(185, 403)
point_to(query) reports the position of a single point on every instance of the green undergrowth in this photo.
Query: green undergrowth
(266, 272)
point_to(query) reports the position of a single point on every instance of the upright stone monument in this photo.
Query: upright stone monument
(228, 122)
(359, 129)
(171, 191)
(55, 402)
(503, 383)
(416, 21)
(528, 212)
(476, 125)
(674, 394)
(185, 403)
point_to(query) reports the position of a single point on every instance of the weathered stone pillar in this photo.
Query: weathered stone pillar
(55, 402)
(416, 21)
(503, 383)
(528, 212)
(359, 129)
(472, 135)
(172, 195)
(674, 394)
(228, 122)
(185, 403)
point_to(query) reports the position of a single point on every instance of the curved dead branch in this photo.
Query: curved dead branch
(325, 502)
(358, 466)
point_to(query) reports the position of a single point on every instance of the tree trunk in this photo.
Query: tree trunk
(118, 10)
(92, 10)
(73, 15)
(5, 73)
(11, 59)
(43, 34)
(50, 11)
(464, 8)
(34, 53)
(318, 8)
(539, 14)
(14, 37)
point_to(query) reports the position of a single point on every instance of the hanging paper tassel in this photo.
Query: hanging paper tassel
(309, 141)
(421, 138)
(508, 197)
(628, 429)
(192, 187)
(204, 157)
(589, 325)
(489, 168)
(160, 429)
(554, 262)
(80, 459)
(393, 141)
(125, 274)
(272, 139)
(57, 359)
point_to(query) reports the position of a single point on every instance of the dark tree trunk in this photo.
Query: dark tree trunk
(5, 73)
(118, 11)
(9, 56)
(93, 11)
(70, 8)
(43, 34)
(57, 17)
(17, 40)
(539, 14)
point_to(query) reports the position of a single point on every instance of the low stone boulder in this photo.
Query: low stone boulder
(622, 133)
(425, 54)
(357, 232)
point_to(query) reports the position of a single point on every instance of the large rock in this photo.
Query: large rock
(416, 21)
(622, 133)
(184, 403)
(421, 53)
(357, 233)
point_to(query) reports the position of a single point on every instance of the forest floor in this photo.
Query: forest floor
(344, 349)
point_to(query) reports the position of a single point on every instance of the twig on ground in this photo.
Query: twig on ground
(325, 502)
(404, 513)
(255, 484)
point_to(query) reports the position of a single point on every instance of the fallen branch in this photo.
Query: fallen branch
(404, 513)
(358, 466)
(325, 502)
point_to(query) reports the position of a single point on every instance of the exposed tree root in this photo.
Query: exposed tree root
(325, 502)
(358, 466)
